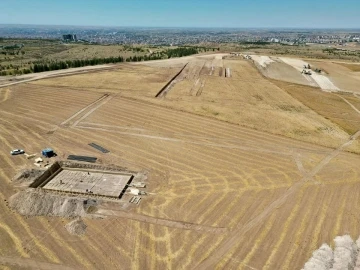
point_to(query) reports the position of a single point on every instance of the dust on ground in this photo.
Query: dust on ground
(76, 227)
(344, 256)
(36, 202)
(27, 176)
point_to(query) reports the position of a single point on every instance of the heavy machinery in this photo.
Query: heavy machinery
(306, 72)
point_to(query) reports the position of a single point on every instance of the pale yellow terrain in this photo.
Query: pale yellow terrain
(272, 176)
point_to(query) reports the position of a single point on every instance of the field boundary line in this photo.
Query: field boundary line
(350, 104)
(82, 110)
(103, 102)
(59, 73)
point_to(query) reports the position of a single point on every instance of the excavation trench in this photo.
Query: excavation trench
(167, 87)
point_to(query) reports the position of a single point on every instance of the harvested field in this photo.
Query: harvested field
(128, 78)
(352, 67)
(253, 102)
(344, 78)
(331, 106)
(224, 191)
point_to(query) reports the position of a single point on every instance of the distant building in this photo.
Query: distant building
(69, 37)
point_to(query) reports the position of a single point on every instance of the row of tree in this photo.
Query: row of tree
(180, 52)
(57, 65)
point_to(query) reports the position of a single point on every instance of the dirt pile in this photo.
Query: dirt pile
(27, 176)
(322, 259)
(70, 164)
(76, 227)
(343, 257)
(40, 203)
(345, 253)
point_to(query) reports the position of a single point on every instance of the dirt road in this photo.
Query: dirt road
(4, 82)
(163, 222)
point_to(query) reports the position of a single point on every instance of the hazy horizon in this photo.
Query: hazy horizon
(244, 14)
(178, 27)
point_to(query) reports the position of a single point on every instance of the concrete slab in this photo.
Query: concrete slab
(103, 183)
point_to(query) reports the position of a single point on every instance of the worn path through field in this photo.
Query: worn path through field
(56, 73)
(161, 221)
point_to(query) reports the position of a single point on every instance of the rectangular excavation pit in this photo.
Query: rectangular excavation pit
(86, 181)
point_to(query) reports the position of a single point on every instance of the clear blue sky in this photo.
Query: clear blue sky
(184, 13)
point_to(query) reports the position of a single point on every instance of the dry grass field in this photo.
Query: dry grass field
(258, 175)
(345, 76)
(352, 67)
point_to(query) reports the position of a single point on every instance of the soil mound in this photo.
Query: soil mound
(39, 203)
(27, 176)
(76, 227)
(344, 256)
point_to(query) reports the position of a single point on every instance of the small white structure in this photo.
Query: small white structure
(39, 160)
(134, 191)
(138, 185)
(227, 73)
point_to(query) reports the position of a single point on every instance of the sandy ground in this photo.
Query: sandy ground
(276, 199)
(279, 70)
(324, 82)
(262, 60)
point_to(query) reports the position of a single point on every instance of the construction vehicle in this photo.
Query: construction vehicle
(306, 72)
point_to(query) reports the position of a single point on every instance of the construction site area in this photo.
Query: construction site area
(213, 161)
(84, 181)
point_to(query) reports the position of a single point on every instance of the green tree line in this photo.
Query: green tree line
(37, 67)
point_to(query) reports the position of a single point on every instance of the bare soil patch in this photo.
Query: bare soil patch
(76, 227)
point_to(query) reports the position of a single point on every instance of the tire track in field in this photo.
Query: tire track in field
(90, 106)
(32, 264)
(195, 121)
(162, 222)
(232, 239)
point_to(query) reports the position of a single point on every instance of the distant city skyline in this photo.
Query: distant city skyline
(186, 14)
